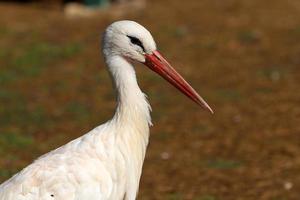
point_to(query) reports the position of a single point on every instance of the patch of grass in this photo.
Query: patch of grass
(6, 173)
(7, 76)
(3, 53)
(174, 196)
(181, 31)
(229, 94)
(11, 32)
(296, 30)
(200, 129)
(265, 90)
(78, 110)
(13, 115)
(11, 110)
(32, 59)
(272, 73)
(4, 31)
(161, 136)
(15, 140)
(37, 116)
(223, 164)
(206, 197)
(279, 198)
(209, 44)
(12, 106)
(249, 37)
(176, 31)
(16, 111)
(7, 95)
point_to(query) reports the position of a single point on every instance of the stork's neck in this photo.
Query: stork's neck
(130, 122)
(132, 105)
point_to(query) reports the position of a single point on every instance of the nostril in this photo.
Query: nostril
(158, 57)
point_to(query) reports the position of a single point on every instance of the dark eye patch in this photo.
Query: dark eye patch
(136, 41)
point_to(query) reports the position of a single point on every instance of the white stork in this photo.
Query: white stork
(105, 163)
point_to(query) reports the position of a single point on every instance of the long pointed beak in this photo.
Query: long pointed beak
(158, 64)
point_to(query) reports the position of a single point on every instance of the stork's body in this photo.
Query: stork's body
(106, 163)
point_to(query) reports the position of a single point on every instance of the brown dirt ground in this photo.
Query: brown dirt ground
(243, 57)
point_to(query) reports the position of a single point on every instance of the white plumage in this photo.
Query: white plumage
(106, 163)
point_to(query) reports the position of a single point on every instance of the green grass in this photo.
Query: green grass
(181, 31)
(174, 196)
(265, 90)
(279, 198)
(3, 53)
(34, 56)
(77, 110)
(6, 173)
(223, 164)
(7, 76)
(30, 60)
(200, 129)
(296, 30)
(206, 197)
(14, 139)
(4, 31)
(7, 95)
(273, 73)
(13, 106)
(208, 44)
(15, 111)
(249, 37)
(228, 94)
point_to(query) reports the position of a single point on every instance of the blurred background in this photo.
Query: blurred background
(242, 56)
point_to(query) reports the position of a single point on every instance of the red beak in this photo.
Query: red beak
(158, 64)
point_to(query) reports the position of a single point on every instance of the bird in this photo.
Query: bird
(105, 163)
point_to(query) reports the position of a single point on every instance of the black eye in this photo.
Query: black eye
(136, 41)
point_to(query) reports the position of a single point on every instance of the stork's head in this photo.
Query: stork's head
(128, 39)
(133, 42)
